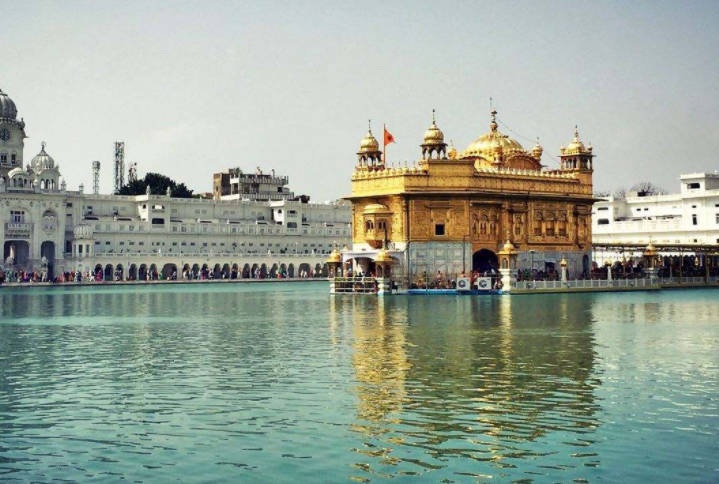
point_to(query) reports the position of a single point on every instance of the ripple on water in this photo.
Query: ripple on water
(285, 384)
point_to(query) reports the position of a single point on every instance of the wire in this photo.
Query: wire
(524, 138)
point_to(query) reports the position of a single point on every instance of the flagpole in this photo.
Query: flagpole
(384, 142)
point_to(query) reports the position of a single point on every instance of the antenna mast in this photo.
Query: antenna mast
(96, 177)
(119, 165)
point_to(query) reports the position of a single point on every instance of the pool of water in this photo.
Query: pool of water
(283, 383)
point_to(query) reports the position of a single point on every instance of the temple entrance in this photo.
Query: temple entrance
(47, 250)
(18, 251)
(484, 261)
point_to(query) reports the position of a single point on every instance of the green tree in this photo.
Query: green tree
(158, 186)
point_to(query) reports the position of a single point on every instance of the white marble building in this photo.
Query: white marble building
(688, 217)
(47, 227)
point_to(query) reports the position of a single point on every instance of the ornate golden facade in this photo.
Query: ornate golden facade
(493, 191)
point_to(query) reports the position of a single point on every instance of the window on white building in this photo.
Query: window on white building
(17, 216)
(694, 219)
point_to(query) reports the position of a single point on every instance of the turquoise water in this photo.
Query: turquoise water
(285, 384)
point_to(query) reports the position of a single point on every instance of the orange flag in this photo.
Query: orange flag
(388, 138)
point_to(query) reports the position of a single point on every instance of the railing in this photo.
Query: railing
(355, 285)
(188, 255)
(687, 280)
(17, 229)
(583, 284)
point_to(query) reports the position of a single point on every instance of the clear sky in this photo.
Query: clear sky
(194, 87)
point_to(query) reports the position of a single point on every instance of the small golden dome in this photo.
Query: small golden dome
(576, 147)
(452, 153)
(433, 136)
(335, 257)
(491, 144)
(369, 143)
(563, 263)
(384, 257)
(537, 150)
(508, 248)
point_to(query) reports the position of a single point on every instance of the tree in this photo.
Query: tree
(647, 189)
(158, 186)
(602, 194)
(620, 193)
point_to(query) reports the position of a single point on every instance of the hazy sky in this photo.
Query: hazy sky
(194, 87)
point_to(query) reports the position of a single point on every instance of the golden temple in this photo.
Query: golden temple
(452, 212)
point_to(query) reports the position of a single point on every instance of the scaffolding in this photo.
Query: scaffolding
(119, 165)
(96, 177)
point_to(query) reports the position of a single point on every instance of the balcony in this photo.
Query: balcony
(17, 230)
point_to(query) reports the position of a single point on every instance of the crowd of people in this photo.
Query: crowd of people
(443, 280)
(23, 277)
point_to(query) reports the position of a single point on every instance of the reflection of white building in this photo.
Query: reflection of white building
(689, 217)
(73, 230)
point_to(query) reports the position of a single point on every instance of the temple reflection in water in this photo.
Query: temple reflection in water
(486, 389)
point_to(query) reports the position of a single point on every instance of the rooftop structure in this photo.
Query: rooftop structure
(690, 217)
(234, 184)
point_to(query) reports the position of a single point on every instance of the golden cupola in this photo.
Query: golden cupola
(452, 153)
(576, 147)
(497, 150)
(576, 156)
(369, 154)
(537, 150)
(434, 145)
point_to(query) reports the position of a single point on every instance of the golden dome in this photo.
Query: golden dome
(433, 136)
(650, 251)
(335, 257)
(369, 143)
(537, 150)
(576, 147)
(563, 262)
(384, 257)
(452, 153)
(508, 248)
(490, 145)
(375, 208)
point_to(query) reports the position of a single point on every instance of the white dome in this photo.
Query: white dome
(83, 231)
(42, 161)
(8, 110)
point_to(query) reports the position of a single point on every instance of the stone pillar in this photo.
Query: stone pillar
(563, 270)
(650, 255)
(507, 279)
(609, 272)
(384, 286)
(507, 265)
(384, 283)
(334, 261)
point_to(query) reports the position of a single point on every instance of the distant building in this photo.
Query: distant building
(234, 184)
(688, 217)
(256, 227)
